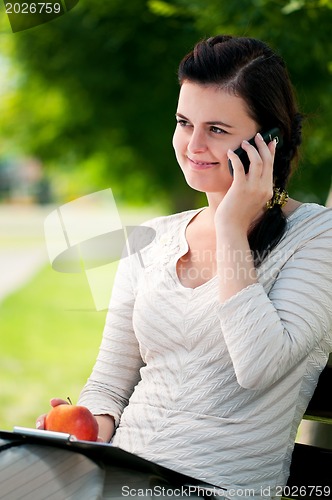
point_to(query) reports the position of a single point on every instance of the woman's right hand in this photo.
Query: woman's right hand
(105, 422)
(40, 422)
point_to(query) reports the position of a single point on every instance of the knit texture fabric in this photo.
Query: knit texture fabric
(217, 391)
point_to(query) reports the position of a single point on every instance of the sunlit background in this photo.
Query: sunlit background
(87, 102)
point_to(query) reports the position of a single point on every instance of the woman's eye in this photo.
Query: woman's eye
(182, 123)
(217, 130)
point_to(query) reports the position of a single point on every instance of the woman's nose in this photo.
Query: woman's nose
(197, 143)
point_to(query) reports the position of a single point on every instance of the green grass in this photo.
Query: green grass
(50, 334)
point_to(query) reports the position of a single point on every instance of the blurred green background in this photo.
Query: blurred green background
(87, 102)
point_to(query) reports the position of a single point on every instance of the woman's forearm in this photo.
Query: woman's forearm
(235, 263)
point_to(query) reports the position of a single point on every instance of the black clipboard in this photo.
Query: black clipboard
(104, 454)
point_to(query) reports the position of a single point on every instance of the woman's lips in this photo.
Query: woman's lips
(202, 165)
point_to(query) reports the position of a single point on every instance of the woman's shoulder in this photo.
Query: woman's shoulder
(311, 211)
(167, 222)
(310, 220)
(161, 230)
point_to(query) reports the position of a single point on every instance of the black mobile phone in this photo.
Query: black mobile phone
(268, 136)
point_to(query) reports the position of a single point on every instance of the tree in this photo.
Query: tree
(100, 89)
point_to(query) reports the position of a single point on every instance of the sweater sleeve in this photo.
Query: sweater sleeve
(268, 334)
(116, 371)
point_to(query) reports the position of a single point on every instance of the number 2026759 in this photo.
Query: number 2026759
(33, 8)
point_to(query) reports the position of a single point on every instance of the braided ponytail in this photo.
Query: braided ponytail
(270, 229)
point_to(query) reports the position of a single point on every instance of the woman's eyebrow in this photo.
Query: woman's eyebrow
(182, 116)
(217, 122)
(223, 124)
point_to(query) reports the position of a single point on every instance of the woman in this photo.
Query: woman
(212, 349)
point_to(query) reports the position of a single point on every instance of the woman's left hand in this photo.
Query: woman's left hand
(247, 196)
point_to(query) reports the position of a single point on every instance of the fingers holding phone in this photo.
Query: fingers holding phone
(267, 136)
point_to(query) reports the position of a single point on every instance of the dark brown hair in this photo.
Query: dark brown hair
(249, 68)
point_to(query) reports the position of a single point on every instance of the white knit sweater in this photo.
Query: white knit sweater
(217, 391)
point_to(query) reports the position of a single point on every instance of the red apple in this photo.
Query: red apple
(72, 419)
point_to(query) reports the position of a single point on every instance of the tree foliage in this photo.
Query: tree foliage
(97, 89)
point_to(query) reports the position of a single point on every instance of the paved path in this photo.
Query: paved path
(22, 248)
(22, 242)
(18, 266)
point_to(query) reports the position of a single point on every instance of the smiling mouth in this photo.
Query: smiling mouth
(203, 164)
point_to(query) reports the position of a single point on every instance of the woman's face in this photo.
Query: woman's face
(209, 122)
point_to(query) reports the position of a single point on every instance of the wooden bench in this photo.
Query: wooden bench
(311, 468)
